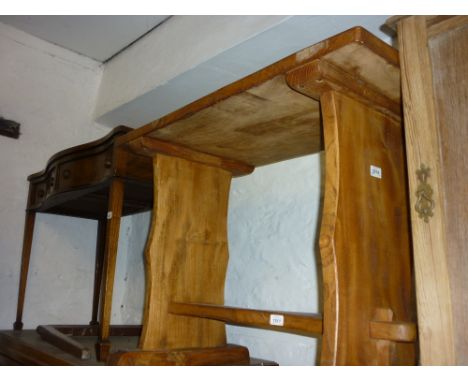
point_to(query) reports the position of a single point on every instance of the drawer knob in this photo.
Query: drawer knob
(66, 174)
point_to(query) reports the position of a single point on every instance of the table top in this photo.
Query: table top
(75, 181)
(274, 114)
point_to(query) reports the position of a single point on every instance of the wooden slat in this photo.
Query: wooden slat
(13, 346)
(299, 323)
(62, 341)
(92, 330)
(152, 146)
(434, 307)
(393, 331)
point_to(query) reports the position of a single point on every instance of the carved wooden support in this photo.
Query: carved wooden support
(364, 234)
(186, 254)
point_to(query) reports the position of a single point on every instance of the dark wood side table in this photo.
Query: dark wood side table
(93, 181)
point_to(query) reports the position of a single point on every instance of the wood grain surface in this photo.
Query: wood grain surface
(259, 120)
(449, 57)
(435, 322)
(364, 237)
(307, 324)
(229, 355)
(186, 254)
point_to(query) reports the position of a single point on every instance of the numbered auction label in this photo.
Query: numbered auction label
(376, 172)
(276, 319)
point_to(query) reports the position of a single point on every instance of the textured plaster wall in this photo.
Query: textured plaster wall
(273, 220)
(51, 92)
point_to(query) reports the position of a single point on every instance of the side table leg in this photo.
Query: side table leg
(100, 247)
(110, 255)
(27, 242)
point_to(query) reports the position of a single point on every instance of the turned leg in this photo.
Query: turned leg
(100, 247)
(27, 242)
(110, 255)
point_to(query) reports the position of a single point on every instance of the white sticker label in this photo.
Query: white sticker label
(109, 215)
(277, 319)
(376, 172)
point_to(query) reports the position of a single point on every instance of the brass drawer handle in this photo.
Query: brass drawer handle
(424, 204)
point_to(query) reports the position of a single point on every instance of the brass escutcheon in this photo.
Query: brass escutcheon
(424, 204)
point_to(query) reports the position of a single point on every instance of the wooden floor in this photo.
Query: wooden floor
(26, 348)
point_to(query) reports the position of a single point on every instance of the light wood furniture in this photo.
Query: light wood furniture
(341, 95)
(96, 181)
(434, 64)
(349, 87)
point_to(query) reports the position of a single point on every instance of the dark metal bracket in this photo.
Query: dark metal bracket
(9, 128)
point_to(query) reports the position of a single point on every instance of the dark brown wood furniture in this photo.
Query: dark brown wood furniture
(25, 348)
(93, 181)
(341, 95)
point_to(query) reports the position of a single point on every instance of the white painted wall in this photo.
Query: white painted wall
(273, 220)
(51, 92)
(178, 45)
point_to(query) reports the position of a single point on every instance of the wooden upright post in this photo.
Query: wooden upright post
(364, 237)
(187, 253)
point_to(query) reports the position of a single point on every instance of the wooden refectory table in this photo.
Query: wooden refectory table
(341, 95)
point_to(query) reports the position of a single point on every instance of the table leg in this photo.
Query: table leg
(187, 253)
(110, 254)
(364, 234)
(100, 247)
(27, 242)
